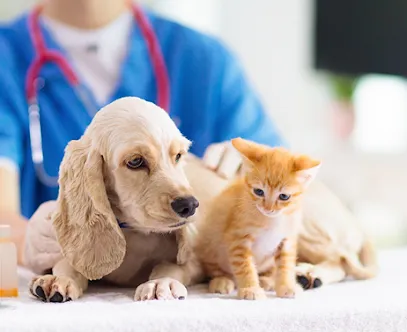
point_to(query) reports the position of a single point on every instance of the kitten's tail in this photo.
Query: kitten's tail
(362, 265)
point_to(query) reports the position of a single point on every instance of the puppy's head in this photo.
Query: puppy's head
(143, 152)
(127, 167)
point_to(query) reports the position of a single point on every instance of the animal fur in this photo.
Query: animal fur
(155, 253)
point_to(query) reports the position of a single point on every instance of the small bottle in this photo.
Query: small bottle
(8, 264)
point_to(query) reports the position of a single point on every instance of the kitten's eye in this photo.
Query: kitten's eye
(178, 157)
(136, 163)
(258, 192)
(284, 197)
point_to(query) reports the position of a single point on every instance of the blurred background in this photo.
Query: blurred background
(332, 75)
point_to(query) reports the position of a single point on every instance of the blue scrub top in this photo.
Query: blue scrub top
(209, 95)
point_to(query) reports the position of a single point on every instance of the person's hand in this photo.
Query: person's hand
(224, 159)
(18, 226)
(42, 250)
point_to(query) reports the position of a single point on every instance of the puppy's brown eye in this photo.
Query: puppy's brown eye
(136, 163)
(178, 157)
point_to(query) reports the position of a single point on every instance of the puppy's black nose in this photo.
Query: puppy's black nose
(185, 206)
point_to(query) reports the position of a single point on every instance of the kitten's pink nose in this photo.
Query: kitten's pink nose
(269, 205)
(269, 209)
(271, 212)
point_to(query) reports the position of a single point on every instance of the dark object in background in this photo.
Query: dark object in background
(356, 37)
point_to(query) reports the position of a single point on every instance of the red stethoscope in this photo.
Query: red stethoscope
(44, 55)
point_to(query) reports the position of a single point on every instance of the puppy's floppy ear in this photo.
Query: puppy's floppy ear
(86, 227)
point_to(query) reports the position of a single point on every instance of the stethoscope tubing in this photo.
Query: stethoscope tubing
(44, 55)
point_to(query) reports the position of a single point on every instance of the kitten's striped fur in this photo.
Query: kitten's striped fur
(249, 238)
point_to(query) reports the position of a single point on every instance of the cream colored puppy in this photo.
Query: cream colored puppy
(126, 170)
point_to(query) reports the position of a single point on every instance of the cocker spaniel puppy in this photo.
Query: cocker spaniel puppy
(125, 207)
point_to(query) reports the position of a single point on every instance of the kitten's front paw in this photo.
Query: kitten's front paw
(221, 285)
(288, 291)
(251, 293)
(50, 288)
(161, 289)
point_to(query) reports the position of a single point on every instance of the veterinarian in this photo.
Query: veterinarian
(65, 59)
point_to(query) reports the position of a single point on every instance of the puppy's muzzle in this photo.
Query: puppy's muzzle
(185, 206)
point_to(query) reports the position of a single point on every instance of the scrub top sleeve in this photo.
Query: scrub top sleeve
(240, 112)
(11, 133)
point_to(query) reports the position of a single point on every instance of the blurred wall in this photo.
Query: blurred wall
(273, 40)
(9, 9)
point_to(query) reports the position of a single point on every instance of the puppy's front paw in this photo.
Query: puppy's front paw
(221, 285)
(161, 289)
(251, 293)
(288, 291)
(49, 288)
(306, 276)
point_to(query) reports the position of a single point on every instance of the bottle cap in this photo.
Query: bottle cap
(5, 231)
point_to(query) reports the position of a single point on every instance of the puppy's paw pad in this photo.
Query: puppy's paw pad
(39, 292)
(306, 276)
(221, 285)
(49, 288)
(251, 293)
(267, 283)
(316, 283)
(57, 298)
(161, 289)
(308, 281)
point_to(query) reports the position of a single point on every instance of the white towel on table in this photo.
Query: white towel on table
(368, 306)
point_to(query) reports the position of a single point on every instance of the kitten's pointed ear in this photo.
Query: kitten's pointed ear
(306, 169)
(247, 149)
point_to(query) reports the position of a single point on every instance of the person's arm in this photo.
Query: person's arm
(9, 188)
(11, 145)
(37, 246)
(10, 205)
(10, 213)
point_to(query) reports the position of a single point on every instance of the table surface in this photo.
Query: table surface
(374, 305)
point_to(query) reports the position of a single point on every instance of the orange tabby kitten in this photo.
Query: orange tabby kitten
(250, 232)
